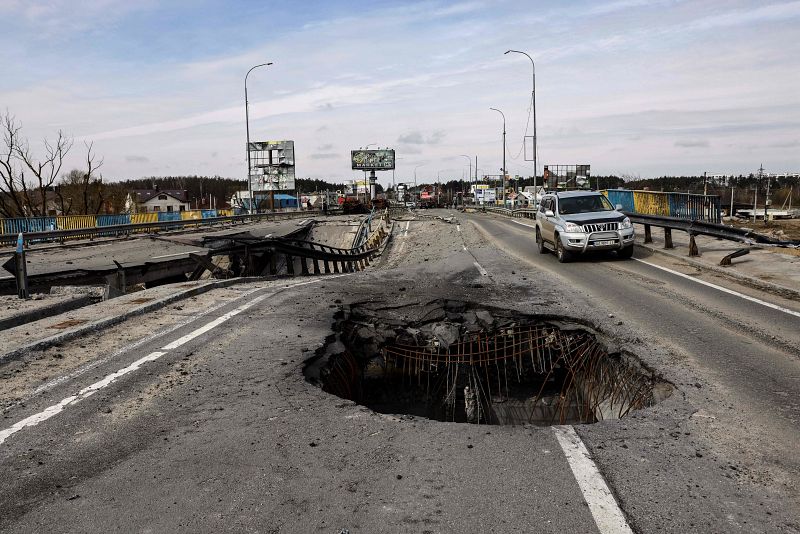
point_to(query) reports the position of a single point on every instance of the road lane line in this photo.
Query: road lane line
(523, 224)
(605, 511)
(89, 366)
(723, 289)
(405, 232)
(175, 254)
(458, 227)
(90, 390)
(480, 269)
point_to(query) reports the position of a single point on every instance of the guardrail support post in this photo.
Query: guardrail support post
(668, 238)
(290, 265)
(304, 266)
(21, 269)
(693, 250)
(273, 263)
(648, 234)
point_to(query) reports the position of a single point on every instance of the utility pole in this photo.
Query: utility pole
(533, 104)
(503, 196)
(766, 198)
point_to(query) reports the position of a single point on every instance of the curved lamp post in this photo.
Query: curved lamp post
(247, 125)
(533, 103)
(504, 155)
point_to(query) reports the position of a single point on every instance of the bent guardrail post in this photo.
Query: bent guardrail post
(727, 259)
(693, 250)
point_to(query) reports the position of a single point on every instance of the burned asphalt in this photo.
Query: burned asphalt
(221, 430)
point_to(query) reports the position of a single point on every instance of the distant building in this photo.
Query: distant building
(155, 200)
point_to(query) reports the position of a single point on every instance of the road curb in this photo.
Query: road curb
(102, 324)
(775, 289)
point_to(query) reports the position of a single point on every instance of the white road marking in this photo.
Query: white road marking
(55, 409)
(458, 227)
(405, 232)
(723, 289)
(465, 247)
(301, 223)
(523, 224)
(176, 254)
(607, 515)
(402, 246)
(56, 381)
(90, 390)
(480, 269)
(213, 324)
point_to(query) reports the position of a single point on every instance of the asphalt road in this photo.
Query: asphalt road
(218, 431)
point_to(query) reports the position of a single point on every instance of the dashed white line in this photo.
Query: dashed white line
(458, 227)
(480, 269)
(57, 408)
(405, 231)
(723, 289)
(523, 224)
(605, 511)
(176, 254)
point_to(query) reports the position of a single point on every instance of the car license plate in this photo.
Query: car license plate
(604, 243)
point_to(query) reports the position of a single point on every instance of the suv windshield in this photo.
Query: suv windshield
(584, 204)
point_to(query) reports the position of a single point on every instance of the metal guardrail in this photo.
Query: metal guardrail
(691, 227)
(140, 227)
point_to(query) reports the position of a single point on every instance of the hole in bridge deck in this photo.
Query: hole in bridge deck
(461, 362)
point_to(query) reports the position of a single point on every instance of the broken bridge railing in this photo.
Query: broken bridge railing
(251, 256)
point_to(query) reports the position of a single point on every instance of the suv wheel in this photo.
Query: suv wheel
(540, 242)
(563, 255)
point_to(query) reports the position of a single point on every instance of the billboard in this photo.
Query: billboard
(271, 165)
(372, 160)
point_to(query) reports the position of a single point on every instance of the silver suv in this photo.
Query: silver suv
(574, 222)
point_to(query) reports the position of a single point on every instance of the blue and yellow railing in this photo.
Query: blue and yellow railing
(678, 205)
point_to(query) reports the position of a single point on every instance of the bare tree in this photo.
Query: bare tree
(44, 171)
(12, 200)
(82, 192)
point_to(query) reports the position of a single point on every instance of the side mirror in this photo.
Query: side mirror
(549, 213)
(619, 207)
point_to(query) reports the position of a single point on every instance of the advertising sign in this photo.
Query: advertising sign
(272, 165)
(372, 160)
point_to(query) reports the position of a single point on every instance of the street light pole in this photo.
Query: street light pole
(533, 103)
(247, 125)
(503, 196)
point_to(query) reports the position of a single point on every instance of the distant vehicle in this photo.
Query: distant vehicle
(575, 222)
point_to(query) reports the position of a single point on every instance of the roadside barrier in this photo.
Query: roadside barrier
(685, 207)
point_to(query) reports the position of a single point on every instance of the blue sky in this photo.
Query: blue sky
(632, 87)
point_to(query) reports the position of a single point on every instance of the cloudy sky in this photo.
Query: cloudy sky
(634, 87)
